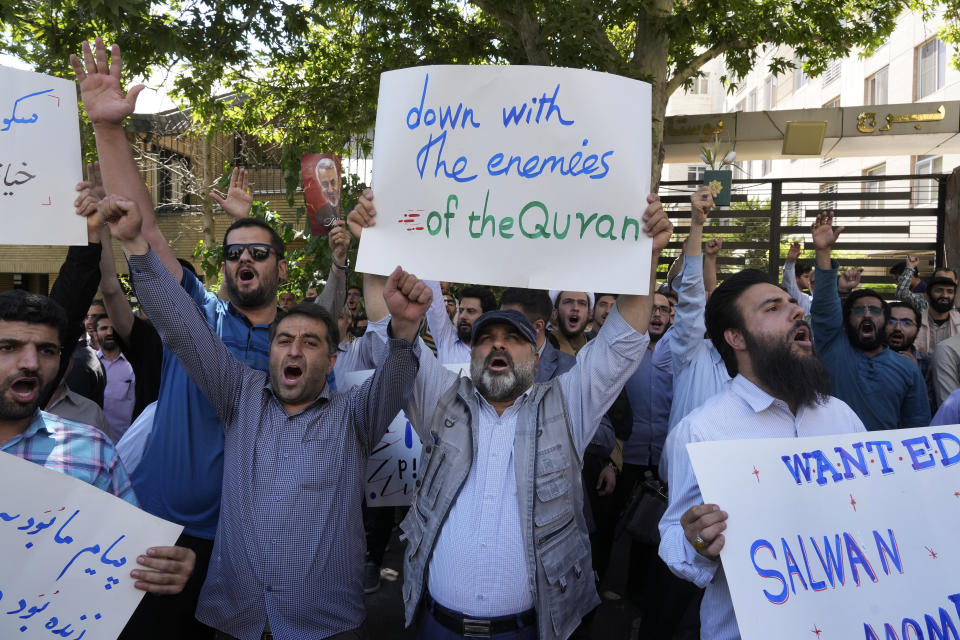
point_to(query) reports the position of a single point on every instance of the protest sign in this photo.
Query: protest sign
(68, 551)
(39, 160)
(392, 467)
(846, 536)
(517, 176)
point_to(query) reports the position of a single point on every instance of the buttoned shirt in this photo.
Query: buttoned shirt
(650, 390)
(119, 395)
(487, 513)
(500, 573)
(741, 411)
(885, 389)
(450, 348)
(289, 544)
(75, 449)
(69, 404)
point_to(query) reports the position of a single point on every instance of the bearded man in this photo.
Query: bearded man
(886, 390)
(780, 389)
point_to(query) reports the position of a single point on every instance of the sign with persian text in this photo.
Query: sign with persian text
(40, 160)
(512, 175)
(844, 536)
(68, 551)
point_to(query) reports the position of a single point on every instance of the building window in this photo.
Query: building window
(831, 73)
(770, 92)
(926, 192)
(741, 105)
(833, 104)
(874, 186)
(827, 161)
(875, 87)
(799, 75)
(695, 173)
(766, 167)
(700, 86)
(931, 67)
(752, 101)
(828, 187)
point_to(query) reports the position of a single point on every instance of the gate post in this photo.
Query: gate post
(951, 220)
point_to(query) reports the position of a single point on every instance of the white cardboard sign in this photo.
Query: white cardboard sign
(40, 160)
(846, 537)
(68, 551)
(392, 466)
(517, 176)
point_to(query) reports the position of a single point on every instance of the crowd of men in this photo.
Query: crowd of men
(229, 415)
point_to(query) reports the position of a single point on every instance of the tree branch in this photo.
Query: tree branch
(524, 25)
(682, 75)
(614, 61)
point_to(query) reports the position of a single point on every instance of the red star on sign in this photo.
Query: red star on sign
(957, 494)
(853, 502)
(756, 473)
(816, 631)
(933, 554)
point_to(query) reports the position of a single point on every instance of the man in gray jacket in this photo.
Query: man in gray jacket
(497, 545)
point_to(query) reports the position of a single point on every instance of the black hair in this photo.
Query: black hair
(186, 264)
(597, 296)
(801, 268)
(22, 306)
(864, 293)
(488, 301)
(897, 268)
(534, 302)
(98, 318)
(310, 310)
(900, 304)
(940, 270)
(724, 313)
(275, 240)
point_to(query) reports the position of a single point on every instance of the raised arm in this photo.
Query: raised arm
(334, 293)
(635, 310)
(362, 216)
(239, 198)
(915, 300)
(789, 278)
(101, 91)
(177, 319)
(689, 326)
(826, 311)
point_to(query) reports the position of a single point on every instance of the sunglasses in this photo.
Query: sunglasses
(258, 251)
(872, 309)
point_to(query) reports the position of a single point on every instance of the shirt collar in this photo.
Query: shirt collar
(38, 424)
(757, 398)
(324, 395)
(516, 403)
(232, 310)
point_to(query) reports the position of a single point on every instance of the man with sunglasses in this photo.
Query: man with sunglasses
(885, 390)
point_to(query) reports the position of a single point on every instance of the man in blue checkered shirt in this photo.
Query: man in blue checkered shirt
(288, 554)
(31, 327)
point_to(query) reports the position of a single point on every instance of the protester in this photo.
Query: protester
(780, 389)
(287, 300)
(902, 328)
(287, 560)
(797, 277)
(118, 395)
(940, 319)
(601, 309)
(32, 328)
(180, 475)
(572, 309)
(886, 390)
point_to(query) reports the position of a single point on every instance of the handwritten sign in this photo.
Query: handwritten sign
(68, 551)
(847, 536)
(39, 160)
(516, 176)
(392, 466)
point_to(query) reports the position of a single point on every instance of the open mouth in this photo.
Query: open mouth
(573, 321)
(246, 274)
(292, 373)
(656, 324)
(896, 338)
(25, 389)
(498, 363)
(801, 335)
(868, 330)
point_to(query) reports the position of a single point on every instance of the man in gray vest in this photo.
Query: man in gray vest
(497, 545)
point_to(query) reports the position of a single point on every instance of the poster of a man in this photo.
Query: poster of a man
(321, 188)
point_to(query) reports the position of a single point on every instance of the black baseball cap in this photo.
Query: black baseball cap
(935, 280)
(506, 316)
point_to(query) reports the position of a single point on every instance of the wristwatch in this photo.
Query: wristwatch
(342, 267)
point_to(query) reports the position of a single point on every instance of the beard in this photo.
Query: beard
(904, 343)
(941, 305)
(500, 387)
(265, 294)
(13, 410)
(867, 344)
(464, 332)
(567, 333)
(798, 380)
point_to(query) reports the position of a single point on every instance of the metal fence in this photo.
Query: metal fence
(886, 219)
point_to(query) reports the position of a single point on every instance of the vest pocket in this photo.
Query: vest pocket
(566, 565)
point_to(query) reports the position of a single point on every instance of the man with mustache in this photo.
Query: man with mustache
(288, 557)
(118, 395)
(886, 390)
(572, 309)
(780, 389)
(501, 469)
(940, 319)
(453, 343)
(902, 328)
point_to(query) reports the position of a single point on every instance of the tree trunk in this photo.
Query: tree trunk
(650, 55)
(206, 179)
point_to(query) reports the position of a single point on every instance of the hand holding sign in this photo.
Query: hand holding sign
(703, 527)
(363, 215)
(100, 86)
(656, 224)
(168, 569)
(339, 241)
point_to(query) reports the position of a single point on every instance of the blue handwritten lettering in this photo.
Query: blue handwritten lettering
(117, 563)
(13, 115)
(94, 549)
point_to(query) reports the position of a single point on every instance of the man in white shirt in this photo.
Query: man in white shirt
(780, 389)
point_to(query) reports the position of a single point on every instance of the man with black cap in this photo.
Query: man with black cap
(939, 318)
(496, 539)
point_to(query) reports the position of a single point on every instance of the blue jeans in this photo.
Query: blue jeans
(429, 629)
